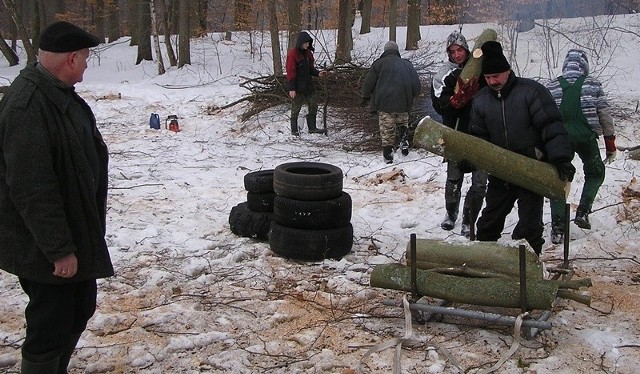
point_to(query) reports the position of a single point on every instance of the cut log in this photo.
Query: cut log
(473, 68)
(498, 292)
(480, 259)
(537, 176)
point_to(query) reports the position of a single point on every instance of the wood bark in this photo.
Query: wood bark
(144, 32)
(156, 39)
(499, 292)
(113, 20)
(344, 44)
(294, 11)
(7, 52)
(169, 29)
(275, 37)
(413, 25)
(537, 176)
(22, 31)
(365, 14)
(99, 20)
(184, 30)
(473, 67)
(393, 19)
(490, 258)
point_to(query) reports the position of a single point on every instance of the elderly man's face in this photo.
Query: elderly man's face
(498, 80)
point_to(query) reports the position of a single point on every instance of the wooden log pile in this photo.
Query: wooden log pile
(476, 273)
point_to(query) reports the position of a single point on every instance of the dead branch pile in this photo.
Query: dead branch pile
(339, 99)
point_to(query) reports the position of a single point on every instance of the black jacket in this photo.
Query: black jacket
(391, 84)
(53, 181)
(523, 118)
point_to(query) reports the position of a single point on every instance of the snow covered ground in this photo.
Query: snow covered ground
(190, 296)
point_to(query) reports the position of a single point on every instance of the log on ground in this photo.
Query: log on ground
(488, 257)
(537, 176)
(498, 292)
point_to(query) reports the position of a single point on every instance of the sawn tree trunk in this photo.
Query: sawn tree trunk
(539, 177)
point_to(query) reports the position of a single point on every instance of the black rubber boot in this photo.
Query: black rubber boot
(404, 140)
(311, 124)
(582, 218)
(294, 127)
(67, 351)
(39, 364)
(470, 212)
(449, 221)
(387, 153)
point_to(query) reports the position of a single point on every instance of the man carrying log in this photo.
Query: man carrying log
(454, 107)
(520, 115)
(586, 116)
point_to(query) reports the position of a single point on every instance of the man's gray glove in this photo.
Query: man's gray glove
(566, 170)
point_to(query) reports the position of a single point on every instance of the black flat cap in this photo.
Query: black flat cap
(63, 36)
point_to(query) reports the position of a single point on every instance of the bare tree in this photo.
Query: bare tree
(156, 40)
(113, 20)
(275, 37)
(365, 13)
(144, 32)
(393, 19)
(8, 53)
(169, 29)
(345, 42)
(17, 19)
(184, 31)
(294, 11)
(133, 18)
(413, 24)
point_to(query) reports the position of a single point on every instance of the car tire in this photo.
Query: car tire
(309, 181)
(314, 215)
(310, 245)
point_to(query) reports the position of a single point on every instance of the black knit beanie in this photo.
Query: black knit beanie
(493, 60)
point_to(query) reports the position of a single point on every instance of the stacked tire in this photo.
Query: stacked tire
(311, 213)
(252, 218)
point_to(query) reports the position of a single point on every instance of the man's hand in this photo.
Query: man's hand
(465, 93)
(566, 170)
(66, 267)
(610, 146)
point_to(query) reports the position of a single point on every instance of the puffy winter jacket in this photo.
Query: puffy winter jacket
(523, 118)
(592, 98)
(391, 84)
(53, 181)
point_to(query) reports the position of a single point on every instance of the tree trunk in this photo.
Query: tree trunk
(365, 14)
(343, 50)
(184, 31)
(133, 19)
(488, 257)
(203, 10)
(393, 19)
(242, 11)
(537, 176)
(8, 53)
(169, 29)
(156, 40)
(294, 11)
(473, 67)
(17, 19)
(275, 37)
(113, 20)
(99, 18)
(413, 24)
(144, 32)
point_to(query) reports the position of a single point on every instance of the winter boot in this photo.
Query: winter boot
(449, 221)
(557, 231)
(470, 211)
(582, 218)
(39, 364)
(387, 153)
(67, 351)
(536, 245)
(311, 124)
(294, 127)
(404, 141)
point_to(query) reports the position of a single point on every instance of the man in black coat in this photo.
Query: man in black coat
(391, 85)
(53, 194)
(520, 115)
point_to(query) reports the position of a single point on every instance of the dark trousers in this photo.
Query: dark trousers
(54, 314)
(500, 199)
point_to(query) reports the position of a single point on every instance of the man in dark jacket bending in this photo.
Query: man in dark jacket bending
(520, 115)
(53, 193)
(391, 85)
